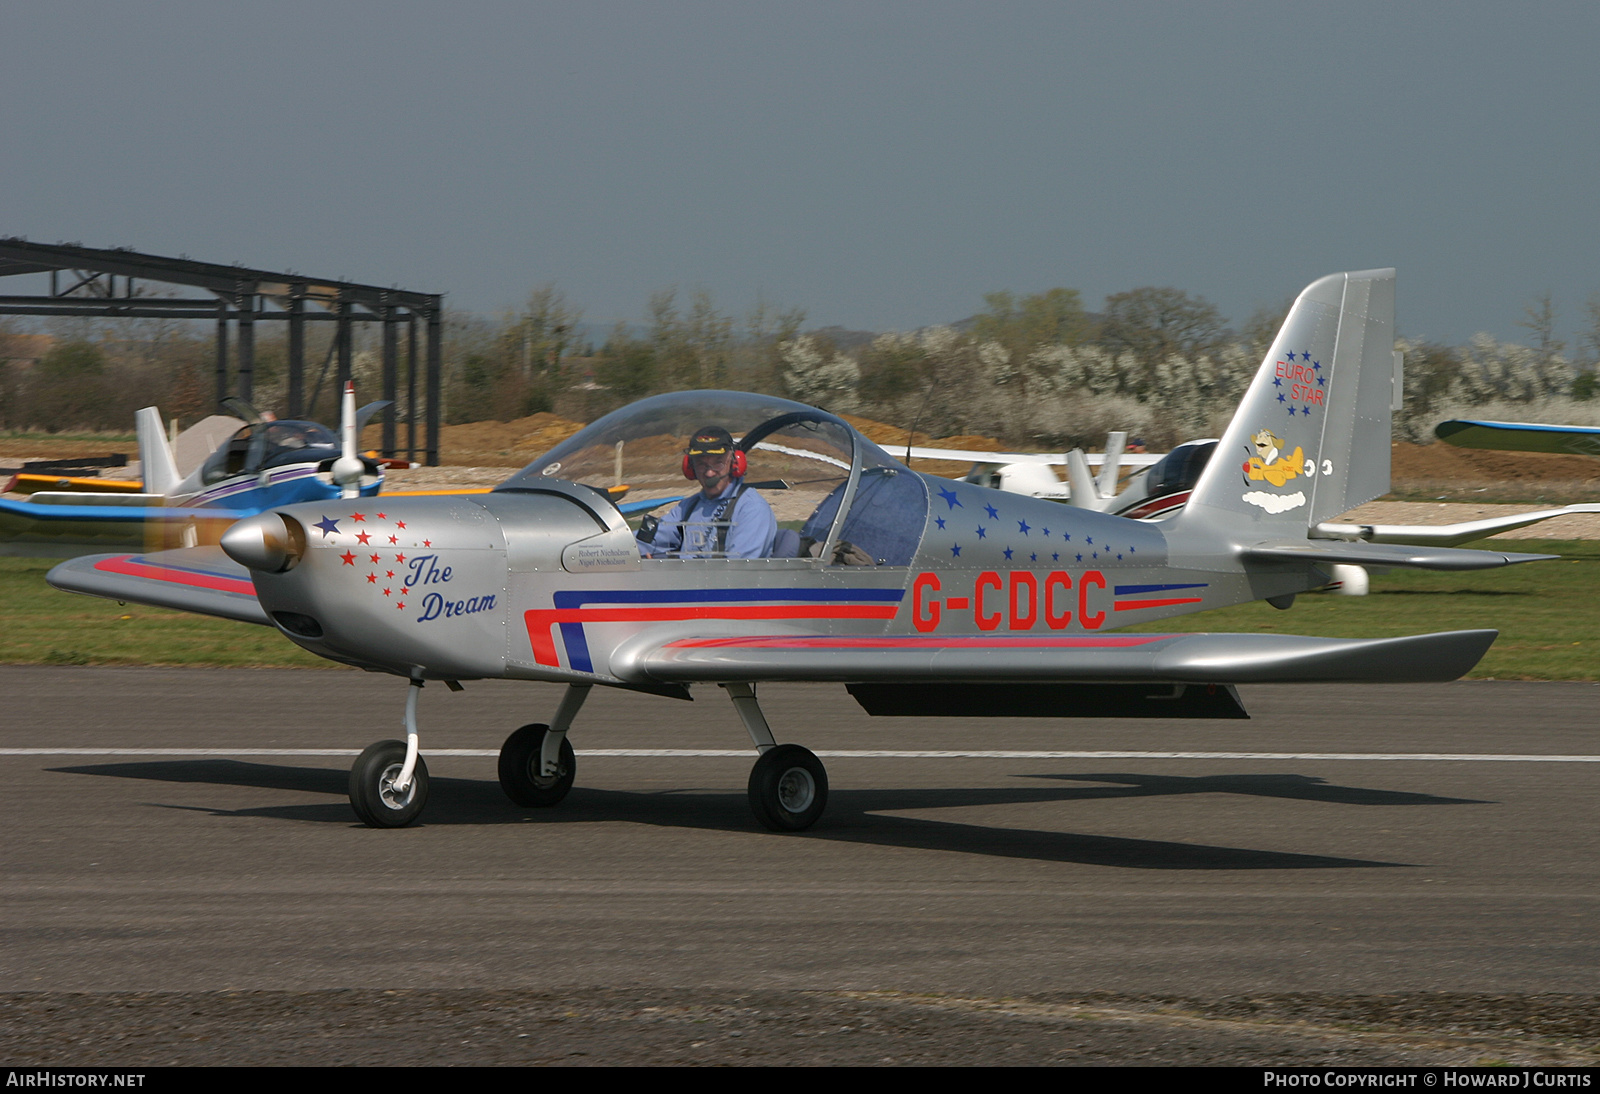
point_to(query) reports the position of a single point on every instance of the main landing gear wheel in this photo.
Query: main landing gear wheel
(372, 792)
(520, 765)
(788, 788)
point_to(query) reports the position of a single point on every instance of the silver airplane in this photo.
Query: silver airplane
(922, 595)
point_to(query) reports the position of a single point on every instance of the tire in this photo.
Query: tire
(372, 793)
(788, 788)
(519, 768)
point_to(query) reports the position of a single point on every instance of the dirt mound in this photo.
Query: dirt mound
(1444, 471)
(491, 444)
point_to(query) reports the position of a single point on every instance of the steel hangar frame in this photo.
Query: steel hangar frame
(103, 283)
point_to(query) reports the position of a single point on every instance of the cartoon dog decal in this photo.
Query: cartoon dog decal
(1269, 463)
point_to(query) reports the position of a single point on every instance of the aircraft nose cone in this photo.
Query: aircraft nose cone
(265, 542)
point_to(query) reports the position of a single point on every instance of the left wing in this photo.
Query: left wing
(1111, 658)
(190, 579)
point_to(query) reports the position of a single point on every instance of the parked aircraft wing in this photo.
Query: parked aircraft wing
(970, 455)
(1567, 440)
(1383, 554)
(193, 579)
(131, 509)
(1165, 658)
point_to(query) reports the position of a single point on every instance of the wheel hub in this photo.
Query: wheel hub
(796, 790)
(386, 791)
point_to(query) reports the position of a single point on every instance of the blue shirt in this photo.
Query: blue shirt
(690, 529)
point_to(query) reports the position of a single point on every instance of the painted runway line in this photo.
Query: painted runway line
(857, 754)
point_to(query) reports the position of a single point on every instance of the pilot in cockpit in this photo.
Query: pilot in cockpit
(726, 519)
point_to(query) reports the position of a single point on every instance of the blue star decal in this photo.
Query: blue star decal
(1090, 539)
(1080, 558)
(1055, 556)
(981, 533)
(1033, 558)
(327, 526)
(1008, 554)
(1277, 381)
(1291, 357)
(1282, 398)
(1023, 526)
(949, 496)
(1316, 366)
(1130, 550)
(1119, 556)
(994, 514)
(1095, 555)
(939, 521)
(1291, 412)
(955, 550)
(1322, 381)
(1067, 536)
(1047, 533)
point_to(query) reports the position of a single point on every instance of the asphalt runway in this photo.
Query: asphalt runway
(1315, 884)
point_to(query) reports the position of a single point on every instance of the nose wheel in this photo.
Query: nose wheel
(372, 786)
(788, 788)
(522, 774)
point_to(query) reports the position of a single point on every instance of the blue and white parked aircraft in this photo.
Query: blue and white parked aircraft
(263, 465)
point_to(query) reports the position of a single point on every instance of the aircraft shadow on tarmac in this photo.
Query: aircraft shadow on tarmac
(854, 816)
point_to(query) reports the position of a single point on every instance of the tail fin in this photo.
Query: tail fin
(1311, 437)
(160, 470)
(1106, 483)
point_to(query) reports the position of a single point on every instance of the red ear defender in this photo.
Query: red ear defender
(737, 465)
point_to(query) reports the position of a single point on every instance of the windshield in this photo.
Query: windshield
(799, 458)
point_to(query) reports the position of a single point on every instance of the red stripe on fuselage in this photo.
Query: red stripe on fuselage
(1131, 605)
(868, 642)
(539, 620)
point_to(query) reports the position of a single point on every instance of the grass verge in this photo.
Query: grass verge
(44, 626)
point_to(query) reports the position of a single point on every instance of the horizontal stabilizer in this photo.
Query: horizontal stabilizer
(192, 579)
(1448, 535)
(1112, 658)
(1383, 554)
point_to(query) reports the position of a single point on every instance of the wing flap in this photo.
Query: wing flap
(192, 579)
(1163, 658)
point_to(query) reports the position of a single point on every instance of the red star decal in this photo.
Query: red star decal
(388, 573)
(383, 516)
(374, 560)
(386, 592)
(349, 559)
(394, 539)
(399, 558)
(404, 589)
(358, 516)
(400, 604)
(362, 537)
(399, 524)
(372, 579)
(427, 543)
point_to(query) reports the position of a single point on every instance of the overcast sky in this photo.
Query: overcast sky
(879, 165)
